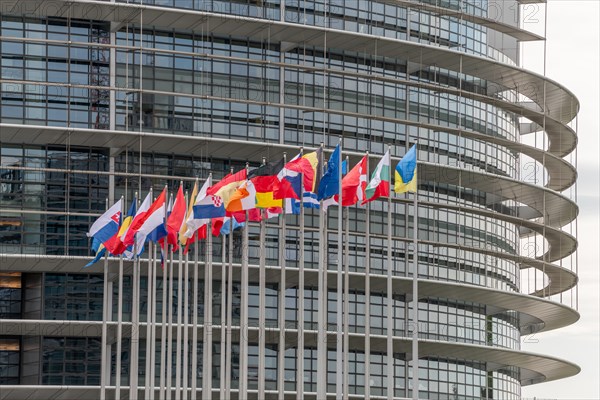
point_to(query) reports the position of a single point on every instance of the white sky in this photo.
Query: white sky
(573, 59)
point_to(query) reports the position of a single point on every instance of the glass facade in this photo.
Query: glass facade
(97, 109)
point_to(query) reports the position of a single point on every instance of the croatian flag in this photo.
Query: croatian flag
(207, 206)
(107, 225)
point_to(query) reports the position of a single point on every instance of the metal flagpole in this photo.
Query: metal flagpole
(103, 357)
(186, 322)
(149, 301)
(281, 302)
(194, 371)
(322, 305)
(390, 302)
(243, 360)
(119, 331)
(163, 325)
(169, 377)
(207, 332)
(339, 301)
(261, 307)
(415, 301)
(368, 299)
(346, 364)
(178, 329)
(135, 323)
(224, 319)
(300, 293)
(229, 315)
(153, 326)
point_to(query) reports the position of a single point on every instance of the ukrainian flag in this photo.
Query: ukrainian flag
(406, 172)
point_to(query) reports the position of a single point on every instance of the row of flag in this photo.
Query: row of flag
(264, 192)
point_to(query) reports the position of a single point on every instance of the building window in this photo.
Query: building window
(71, 361)
(73, 297)
(10, 357)
(10, 295)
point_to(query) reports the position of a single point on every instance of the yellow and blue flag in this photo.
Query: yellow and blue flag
(406, 172)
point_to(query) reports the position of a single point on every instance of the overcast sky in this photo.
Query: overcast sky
(573, 59)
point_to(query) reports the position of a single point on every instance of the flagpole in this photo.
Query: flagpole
(281, 302)
(194, 371)
(390, 299)
(346, 364)
(207, 332)
(224, 319)
(300, 293)
(133, 361)
(153, 323)
(322, 304)
(261, 306)
(186, 321)
(103, 356)
(339, 301)
(178, 329)
(243, 363)
(208, 318)
(229, 314)
(368, 297)
(119, 331)
(169, 377)
(148, 395)
(163, 324)
(135, 322)
(415, 301)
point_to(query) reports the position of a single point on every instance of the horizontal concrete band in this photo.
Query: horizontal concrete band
(537, 314)
(559, 102)
(535, 368)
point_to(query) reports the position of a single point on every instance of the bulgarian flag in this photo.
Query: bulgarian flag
(380, 180)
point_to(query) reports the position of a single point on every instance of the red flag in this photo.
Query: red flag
(176, 219)
(216, 224)
(354, 184)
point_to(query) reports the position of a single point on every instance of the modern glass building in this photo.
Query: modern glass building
(103, 99)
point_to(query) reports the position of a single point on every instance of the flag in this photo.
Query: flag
(107, 225)
(99, 249)
(114, 245)
(273, 212)
(264, 179)
(216, 224)
(227, 223)
(206, 206)
(138, 220)
(292, 206)
(160, 232)
(380, 180)
(353, 184)
(243, 199)
(302, 170)
(406, 172)
(330, 181)
(153, 218)
(288, 184)
(227, 186)
(191, 225)
(176, 218)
